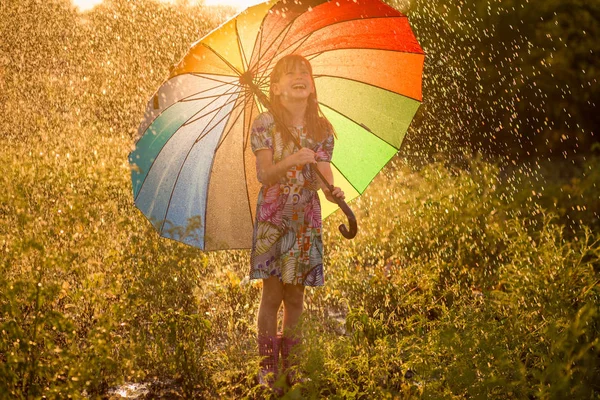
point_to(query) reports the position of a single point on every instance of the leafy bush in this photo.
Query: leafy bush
(478, 292)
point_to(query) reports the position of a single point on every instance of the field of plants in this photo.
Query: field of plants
(480, 280)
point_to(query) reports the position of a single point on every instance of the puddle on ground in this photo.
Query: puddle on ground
(129, 391)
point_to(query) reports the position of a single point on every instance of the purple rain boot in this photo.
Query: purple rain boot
(268, 349)
(289, 348)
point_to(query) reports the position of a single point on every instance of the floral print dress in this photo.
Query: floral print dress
(287, 240)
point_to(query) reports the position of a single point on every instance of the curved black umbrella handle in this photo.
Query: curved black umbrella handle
(348, 234)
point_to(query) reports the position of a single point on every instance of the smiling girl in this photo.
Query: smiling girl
(287, 250)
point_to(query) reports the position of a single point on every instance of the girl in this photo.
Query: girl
(287, 250)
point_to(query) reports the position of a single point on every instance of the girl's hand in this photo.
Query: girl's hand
(304, 156)
(335, 193)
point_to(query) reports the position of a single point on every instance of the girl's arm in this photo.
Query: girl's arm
(325, 169)
(269, 173)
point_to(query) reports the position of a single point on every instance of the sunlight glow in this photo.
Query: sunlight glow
(84, 5)
(239, 4)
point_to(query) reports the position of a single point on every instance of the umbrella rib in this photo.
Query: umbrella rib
(245, 145)
(202, 134)
(219, 108)
(160, 151)
(259, 41)
(262, 83)
(285, 29)
(242, 103)
(313, 56)
(205, 132)
(230, 65)
(210, 77)
(301, 40)
(194, 117)
(268, 66)
(239, 42)
(262, 79)
(285, 33)
(189, 99)
(249, 99)
(259, 38)
(232, 83)
(225, 134)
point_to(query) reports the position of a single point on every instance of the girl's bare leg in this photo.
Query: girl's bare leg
(272, 296)
(293, 305)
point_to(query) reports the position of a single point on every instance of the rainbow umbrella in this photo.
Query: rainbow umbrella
(193, 171)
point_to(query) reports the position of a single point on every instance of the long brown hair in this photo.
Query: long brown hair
(317, 126)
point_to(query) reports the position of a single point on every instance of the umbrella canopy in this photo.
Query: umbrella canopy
(193, 171)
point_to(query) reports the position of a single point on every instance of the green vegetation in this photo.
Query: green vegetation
(513, 78)
(472, 282)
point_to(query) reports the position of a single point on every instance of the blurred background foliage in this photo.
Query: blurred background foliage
(515, 79)
(475, 273)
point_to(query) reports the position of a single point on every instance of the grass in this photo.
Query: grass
(455, 275)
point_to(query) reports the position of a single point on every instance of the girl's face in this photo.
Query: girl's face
(295, 83)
